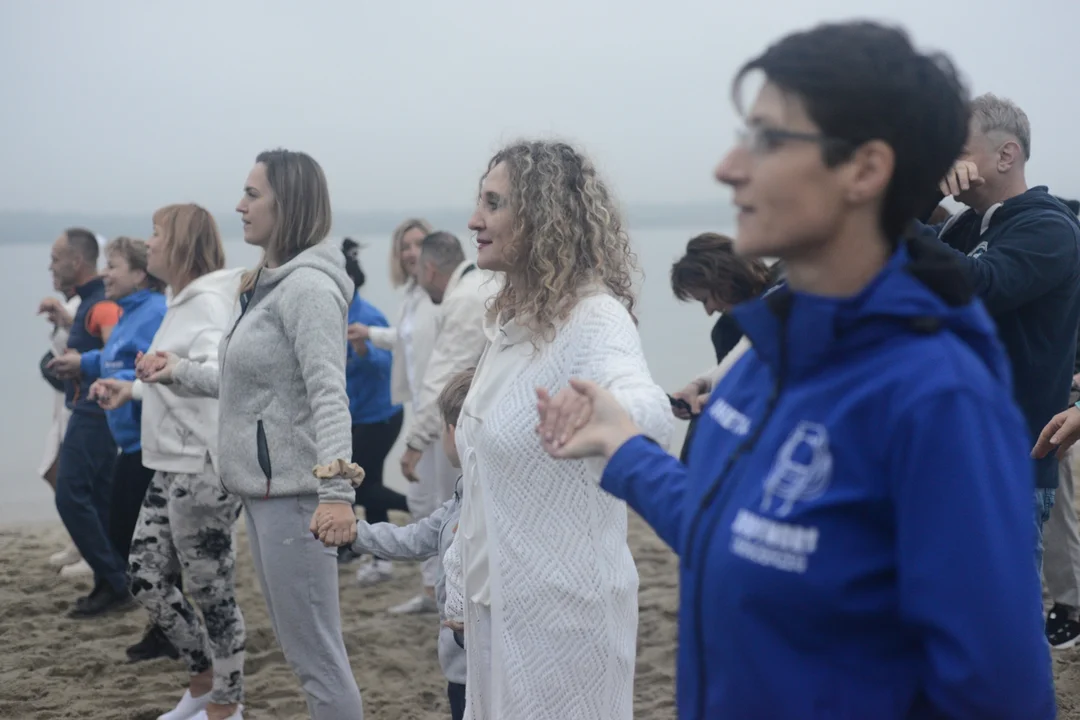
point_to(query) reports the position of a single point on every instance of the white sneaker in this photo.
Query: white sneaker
(422, 603)
(202, 715)
(188, 707)
(68, 556)
(79, 569)
(374, 572)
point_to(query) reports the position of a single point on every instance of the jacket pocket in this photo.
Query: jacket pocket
(262, 451)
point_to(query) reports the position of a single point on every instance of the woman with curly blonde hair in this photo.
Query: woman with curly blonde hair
(549, 582)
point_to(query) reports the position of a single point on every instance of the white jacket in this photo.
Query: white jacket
(418, 312)
(179, 431)
(459, 342)
(560, 578)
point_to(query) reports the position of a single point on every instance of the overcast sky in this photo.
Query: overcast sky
(125, 105)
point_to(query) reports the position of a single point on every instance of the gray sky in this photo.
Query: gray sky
(125, 105)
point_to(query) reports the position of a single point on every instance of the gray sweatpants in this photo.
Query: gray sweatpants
(189, 521)
(1061, 558)
(299, 579)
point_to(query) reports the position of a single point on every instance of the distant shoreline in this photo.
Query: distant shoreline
(34, 227)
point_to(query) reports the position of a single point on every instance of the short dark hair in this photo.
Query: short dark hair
(710, 264)
(453, 394)
(444, 249)
(862, 81)
(85, 243)
(352, 264)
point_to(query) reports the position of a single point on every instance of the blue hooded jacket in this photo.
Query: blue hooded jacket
(853, 539)
(1022, 257)
(143, 311)
(367, 378)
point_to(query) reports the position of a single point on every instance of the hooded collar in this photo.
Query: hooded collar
(920, 290)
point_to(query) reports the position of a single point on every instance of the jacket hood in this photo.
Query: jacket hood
(224, 282)
(326, 257)
(1037, 198)
(921, 290)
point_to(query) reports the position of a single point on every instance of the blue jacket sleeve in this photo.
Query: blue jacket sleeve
(1030, 257)
(962, 487)
(90, 364)
(652, 482)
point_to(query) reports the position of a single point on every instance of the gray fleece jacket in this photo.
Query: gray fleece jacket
(283, 408)
(419, 541)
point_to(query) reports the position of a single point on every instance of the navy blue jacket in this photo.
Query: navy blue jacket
(1023, 259)
(80, 339)
(854, 538)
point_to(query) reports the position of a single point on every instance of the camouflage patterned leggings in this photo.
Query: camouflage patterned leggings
(188, 521)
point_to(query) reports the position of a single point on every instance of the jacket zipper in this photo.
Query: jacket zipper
(721, 491)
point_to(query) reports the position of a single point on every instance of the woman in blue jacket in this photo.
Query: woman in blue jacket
(376, 421)
(142, 305)
(854, 523)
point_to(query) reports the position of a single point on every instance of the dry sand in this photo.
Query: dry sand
(52, 667)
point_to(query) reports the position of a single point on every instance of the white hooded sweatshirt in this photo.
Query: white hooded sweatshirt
(179, 430)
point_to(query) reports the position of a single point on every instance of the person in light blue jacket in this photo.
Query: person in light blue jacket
(854, 520)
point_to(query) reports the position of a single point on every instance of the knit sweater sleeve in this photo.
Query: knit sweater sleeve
(313, 315)
(610, 354)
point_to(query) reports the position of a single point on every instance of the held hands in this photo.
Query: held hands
(157, 367)
(66, 366)
(54, 311)
(963, 175)
(1061, 433)
(582, 420)
(111, 393)
(334, 524)
(357, 334)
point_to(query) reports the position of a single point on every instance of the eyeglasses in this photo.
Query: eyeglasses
(761, 140)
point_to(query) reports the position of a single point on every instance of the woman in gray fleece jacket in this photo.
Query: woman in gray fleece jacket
(284, 427)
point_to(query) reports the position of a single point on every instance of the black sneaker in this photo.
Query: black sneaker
(1062, 629)
(154, 644)
(102, 600)
(345, 555)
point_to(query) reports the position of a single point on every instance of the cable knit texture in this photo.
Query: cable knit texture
(563, 585)
(283, 409)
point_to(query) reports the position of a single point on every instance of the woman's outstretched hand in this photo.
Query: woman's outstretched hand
(582, 420)
(156, 367)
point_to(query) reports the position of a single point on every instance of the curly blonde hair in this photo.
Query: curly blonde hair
(567, 235)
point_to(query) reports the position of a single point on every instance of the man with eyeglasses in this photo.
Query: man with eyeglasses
(1020, 250)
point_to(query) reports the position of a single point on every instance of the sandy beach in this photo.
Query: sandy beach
(54, 668)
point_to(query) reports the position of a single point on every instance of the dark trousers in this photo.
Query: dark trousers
(84, 493)
(456, 693)
(130, 480)
(371, 443)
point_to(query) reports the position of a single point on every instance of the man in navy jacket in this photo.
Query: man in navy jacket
(1020, 249)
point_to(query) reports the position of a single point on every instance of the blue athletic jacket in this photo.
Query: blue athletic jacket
(854, 540)
(143, 311)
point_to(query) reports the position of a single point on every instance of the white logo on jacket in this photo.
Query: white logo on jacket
(729, 418)
(979, 250)
(802, 469)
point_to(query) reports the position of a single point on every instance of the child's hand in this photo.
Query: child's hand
(455, 625)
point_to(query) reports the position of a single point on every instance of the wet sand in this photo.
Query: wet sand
(54, 668)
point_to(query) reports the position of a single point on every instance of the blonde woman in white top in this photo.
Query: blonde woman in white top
(412, 340)
(549, 582)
